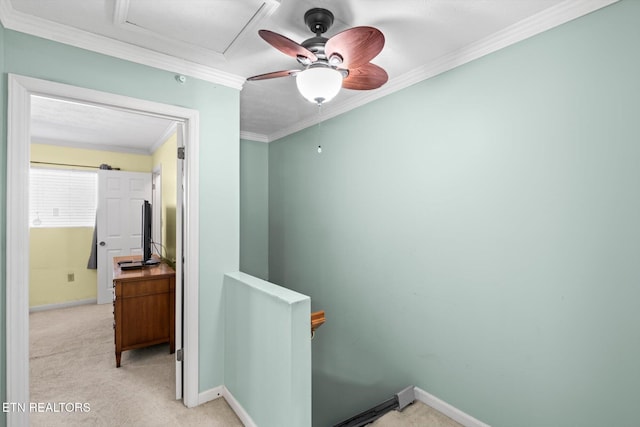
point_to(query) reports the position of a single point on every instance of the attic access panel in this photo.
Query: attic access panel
(211, 26)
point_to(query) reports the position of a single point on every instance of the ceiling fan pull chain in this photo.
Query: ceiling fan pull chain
(320, 128)
(320, 119)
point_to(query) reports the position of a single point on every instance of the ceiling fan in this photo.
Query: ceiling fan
(330, 63)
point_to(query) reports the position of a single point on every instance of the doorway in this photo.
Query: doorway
(21, 89)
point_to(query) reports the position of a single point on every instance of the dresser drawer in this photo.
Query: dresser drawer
(143, 287)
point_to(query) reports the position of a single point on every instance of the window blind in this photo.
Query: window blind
(62, 198)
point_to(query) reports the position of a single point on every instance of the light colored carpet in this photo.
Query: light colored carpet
(415, 415)
(72, 361)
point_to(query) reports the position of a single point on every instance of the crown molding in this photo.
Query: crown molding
(251, 136)
(549, 18)
(17, 21)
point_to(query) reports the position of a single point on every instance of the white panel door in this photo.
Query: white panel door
(119, 221)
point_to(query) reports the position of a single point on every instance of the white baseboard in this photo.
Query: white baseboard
(222, 391)
(420, 395)
(211, 394)
(62, 305)
(238, 409)
(448, 410)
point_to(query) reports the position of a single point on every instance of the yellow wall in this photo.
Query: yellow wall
(54, 253)
(165, 157)
(57, 252)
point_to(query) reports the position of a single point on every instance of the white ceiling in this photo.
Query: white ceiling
(218, 41)
(63, 122)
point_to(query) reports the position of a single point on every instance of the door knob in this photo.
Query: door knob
(102, 243)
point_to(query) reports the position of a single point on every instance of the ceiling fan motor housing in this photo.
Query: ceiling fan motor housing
(316, 45)
(318, 20)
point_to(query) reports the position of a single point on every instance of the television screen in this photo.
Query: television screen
(146, 234)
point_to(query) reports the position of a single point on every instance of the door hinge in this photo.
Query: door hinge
(179, 355)
(181, 153)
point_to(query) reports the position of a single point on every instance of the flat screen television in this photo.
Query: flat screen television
(147, 241)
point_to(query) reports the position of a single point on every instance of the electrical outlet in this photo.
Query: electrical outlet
(71, 277)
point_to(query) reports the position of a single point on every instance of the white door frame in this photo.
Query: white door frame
(20, 89)
(180, 221)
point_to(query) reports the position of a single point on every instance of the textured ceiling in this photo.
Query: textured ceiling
(61, 122)
(218, 41)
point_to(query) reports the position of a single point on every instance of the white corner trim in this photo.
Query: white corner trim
(222, 391)
(17, 21)
(62, 305)
(549, 18)
(446, 409)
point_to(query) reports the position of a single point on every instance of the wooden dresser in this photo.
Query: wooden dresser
(143, 306)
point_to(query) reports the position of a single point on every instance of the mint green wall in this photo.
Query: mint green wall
(254, 208)
(477, 234)
(268, 351)
(219, 159)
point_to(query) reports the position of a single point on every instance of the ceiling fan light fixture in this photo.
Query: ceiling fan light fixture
(319, 84)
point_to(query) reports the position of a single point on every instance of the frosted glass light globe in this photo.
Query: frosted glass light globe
(319, 84)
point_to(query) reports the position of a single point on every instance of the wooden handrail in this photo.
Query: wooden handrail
(317, 319)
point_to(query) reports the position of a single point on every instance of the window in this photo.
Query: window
(62, 198)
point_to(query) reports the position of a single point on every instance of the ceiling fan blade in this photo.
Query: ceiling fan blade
(356, 46)
(286, 45)
(273, 75)
(366, 77)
